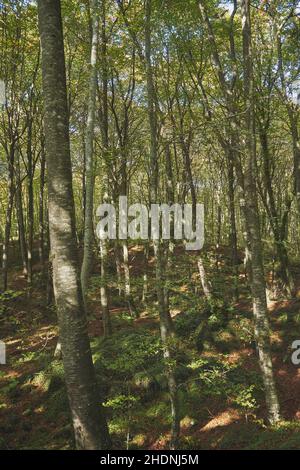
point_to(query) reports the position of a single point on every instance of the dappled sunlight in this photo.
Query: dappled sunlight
(224, 418)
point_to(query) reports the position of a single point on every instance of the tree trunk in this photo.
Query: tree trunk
(145, 275)
(105, 142)
(8, 216)
(107, 329)
(41, 210)
(204, 282)
(233, 230)
(258, 285)
(89, 160)
(89, 422)
(128, 295)
(166, 334)
(30, 228)
(281, 251)
(118, 262)
(20, 215)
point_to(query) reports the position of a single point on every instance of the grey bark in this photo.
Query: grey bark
(166, 334)
(8, 215)
(30, 175)
(41, 209)
(89, 160)
(89, 422)
(258, 285)
(105, 143)
(233, 225)
(20, 214)
(203, 278)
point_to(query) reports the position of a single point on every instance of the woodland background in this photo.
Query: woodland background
(155, 347)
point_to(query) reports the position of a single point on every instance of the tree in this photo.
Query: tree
(258, 286)
(247, 181)
(89, 160)
(164, 315)
(89, 422)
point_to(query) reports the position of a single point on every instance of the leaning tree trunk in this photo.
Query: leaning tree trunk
(258, 285)
(89, 160)
(89, 423)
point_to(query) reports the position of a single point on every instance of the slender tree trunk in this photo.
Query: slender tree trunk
(169, 252)
(83, 184)
(105, 184)
(8, 215)
(41, 209)
(282, 255)
(89, 422)
(126, 269)
(30, 223)
(49, 285)
(166, 334)
(118, 267)
(20, 214)
(219, 224)
(188, 168)
(203, 278)
(128, 294)
(258, 285)
(89, 160)
(233, 229)
(145, 275)
(107, 329)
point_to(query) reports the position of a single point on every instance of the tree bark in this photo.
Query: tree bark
(233, 228)
(203, 278)
(258, 285)
(41, 209)
(20, 214)
(105, 143)
(166, 333)
(89, 422)
(30, 228)
(89, 160)
(8, 215)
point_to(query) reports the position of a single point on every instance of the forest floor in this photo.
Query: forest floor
(222, 402)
